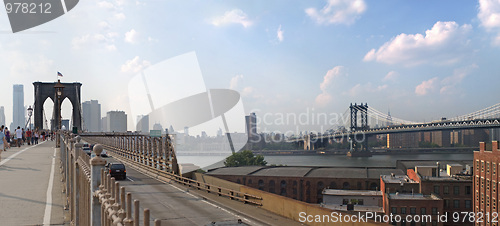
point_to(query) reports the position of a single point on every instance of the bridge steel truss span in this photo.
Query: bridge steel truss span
(155, 157)
(155, 152)
(424, 127)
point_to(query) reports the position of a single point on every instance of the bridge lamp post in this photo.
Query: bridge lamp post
(30, 113)
(59, 93)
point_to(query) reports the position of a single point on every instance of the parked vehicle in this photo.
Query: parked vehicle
(117, 170)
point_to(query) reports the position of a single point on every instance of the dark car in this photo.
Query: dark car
(87, 150)
(117, 170)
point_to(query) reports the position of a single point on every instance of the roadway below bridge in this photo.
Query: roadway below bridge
(175, 204)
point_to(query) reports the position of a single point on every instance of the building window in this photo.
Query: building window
(283, 188)
(434, 210)
(359, 186)
(361, 202)
(271, 186)
(333, 185)
(468, 204)
(434, 223)
(423, 223)
(422, 210)
(249, 182)
(346, 185)
(446, 203)
(403, 210)
(261, 185)
(394, 210)
(467, 190)
(456, 204)
(373, 186)
(436, 190)
(345, 201)
(413, 210)
(446, 190)
(487, 167)
(456, 190)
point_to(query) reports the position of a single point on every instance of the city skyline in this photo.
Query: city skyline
(421, 61)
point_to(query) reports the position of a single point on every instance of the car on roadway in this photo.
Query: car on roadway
(104, 153)
(117, 170)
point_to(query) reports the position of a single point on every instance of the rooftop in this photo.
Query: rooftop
(341, 192)
(283, 172)
(397, 179)
(409, 196)
(242, 170)
(304, 171)
(357, 208)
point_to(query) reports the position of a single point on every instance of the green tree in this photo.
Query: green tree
(244, 158)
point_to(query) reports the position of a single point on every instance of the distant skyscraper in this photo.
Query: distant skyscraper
(104, 123)
(2, 116)
(251, 126)
(18, 111)
(186, 131)
(116, 121)
(142, 124)
(91, 116)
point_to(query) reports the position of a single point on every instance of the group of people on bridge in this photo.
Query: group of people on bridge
(20, 136)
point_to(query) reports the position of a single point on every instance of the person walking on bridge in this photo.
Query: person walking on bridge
(19, 136)
(3, 141)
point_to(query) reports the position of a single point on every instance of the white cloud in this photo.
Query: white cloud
(247, 91)
(152, 40)
(134, 65)
(459, 74)
(279, 34)
(391, 76)
(235, 16)
(120, 16)
(131, 36)
(338, 12)
(105, 4)
(104, 25)
(359, 89)
(443, 44)
(233, 84)
(97, 40)
(324, 98)
(426, 86)
(489, 13)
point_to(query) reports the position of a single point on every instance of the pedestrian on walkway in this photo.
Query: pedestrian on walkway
(37, 136)
(28, 136)
(19, 136)
(2, 141)
(7, 138)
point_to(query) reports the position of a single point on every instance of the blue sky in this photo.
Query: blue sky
(421, 59)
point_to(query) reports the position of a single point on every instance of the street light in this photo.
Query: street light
(59, 93)
(30, 113)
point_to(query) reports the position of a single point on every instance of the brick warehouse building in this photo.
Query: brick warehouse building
(304, 183)
(486, 179)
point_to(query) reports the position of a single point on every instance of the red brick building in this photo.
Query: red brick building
(304, 183)
(486, 181)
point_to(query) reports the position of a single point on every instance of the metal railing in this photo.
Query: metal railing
(155, 156)
(92, 196)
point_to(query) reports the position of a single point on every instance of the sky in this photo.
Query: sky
(422, 60)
